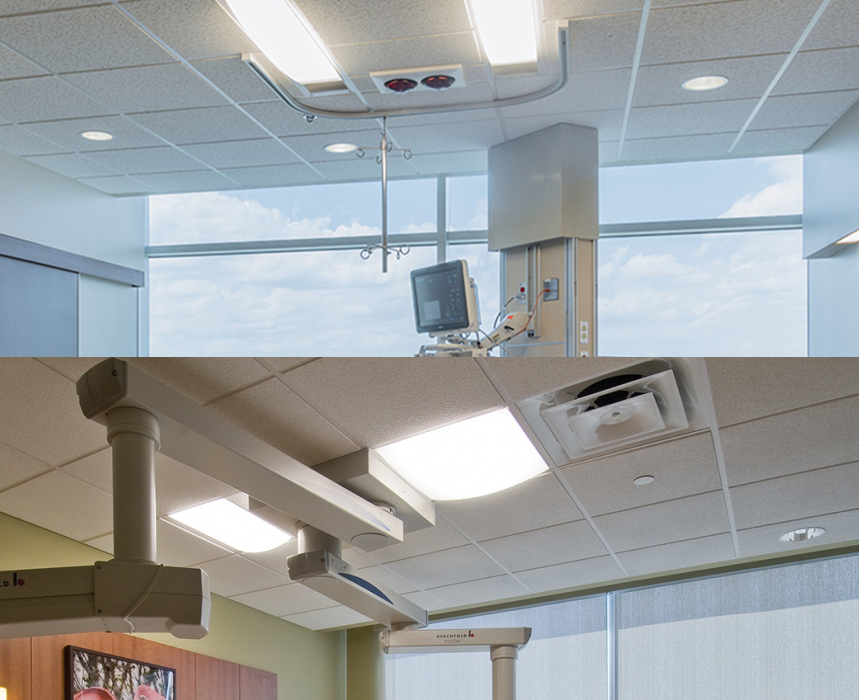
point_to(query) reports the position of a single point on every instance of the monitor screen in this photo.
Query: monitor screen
(444, 298)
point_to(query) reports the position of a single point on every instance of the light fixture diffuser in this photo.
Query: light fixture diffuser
(340, 147)
(705, 82)
(2, 693)
(507, 30)
(802, 534)
(850, 238)
(226, 522)
(95, 136)
(280, 32)
(474, 457)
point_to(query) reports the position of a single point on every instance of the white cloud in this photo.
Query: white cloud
(784, 196)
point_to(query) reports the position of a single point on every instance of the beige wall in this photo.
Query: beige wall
(309, 665)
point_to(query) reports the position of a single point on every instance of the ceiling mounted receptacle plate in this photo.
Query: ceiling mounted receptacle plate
(369, 476)
(643, 402)
(418, 75)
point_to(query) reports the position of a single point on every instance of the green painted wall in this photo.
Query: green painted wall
(309, 665)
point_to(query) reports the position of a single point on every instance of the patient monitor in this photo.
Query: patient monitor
(445, 301)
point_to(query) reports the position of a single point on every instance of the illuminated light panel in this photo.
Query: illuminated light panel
(507, 30)
(95, 136)
(803, 534)
(340, 147)
(474, 457)
(849, 238)
(2, 693)
(226, 522)
(283, 37)
(705, 82)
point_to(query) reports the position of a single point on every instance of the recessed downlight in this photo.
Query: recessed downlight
(97, 135)
(706, 82)
(643, 480)
(802, 534)
(340, 147)
(850, 238)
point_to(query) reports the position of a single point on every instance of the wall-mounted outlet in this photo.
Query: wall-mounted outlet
(584, 334)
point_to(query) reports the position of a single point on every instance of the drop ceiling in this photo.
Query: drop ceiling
(166, 78)
(777, 452)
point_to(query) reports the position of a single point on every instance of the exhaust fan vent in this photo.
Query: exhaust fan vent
(612, 412)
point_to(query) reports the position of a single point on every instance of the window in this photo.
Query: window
(467, 203)
(703, 294)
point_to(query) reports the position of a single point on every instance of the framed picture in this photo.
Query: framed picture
(92, 675)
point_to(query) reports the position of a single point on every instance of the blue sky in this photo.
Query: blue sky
(717, 294)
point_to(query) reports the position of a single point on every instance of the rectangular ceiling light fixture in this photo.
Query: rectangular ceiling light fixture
(232, 525)
(507, 31)
(850, 238)
(474, 457)
(283, 35)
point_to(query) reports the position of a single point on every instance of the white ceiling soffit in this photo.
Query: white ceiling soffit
(770, 447)
(167, 80)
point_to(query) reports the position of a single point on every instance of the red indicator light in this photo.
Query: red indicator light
(401, 84)
(438, 82)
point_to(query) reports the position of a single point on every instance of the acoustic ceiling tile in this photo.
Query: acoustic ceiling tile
(600, 43)
(678, 120)
(118, 185)
(406, 54)
(590, 91)
(608, 124)
(796, 496)
(378, 20)
(571, 574)
(233, 575)
(444, 568)
(86, 38)
(458, 162)
(277, 415)
(539, 502)
(362, 170)
(837, 27)
(67, 133)
(817, 109)
(431, 539)
(678, 555)
(160, 159)
(381, 400)
(681, 468)
(548, 374)
(465, 136)
(72, 165)
(311, 147)
(234, 78)
(16, 7)
(820, 71)
(571, 9)
(797, 441)
(201, 125)
(273, 175)
(550, 545)
(724, 30)
(20, 142)
(769, 142)
(748, 77)
(275, 559)
(748, 388)
(485, 590)
(608, 152)
(673, 148)
(291, 599)
(148, 88)
(46, 423)
(202, 379)
(193, 28)
(179, 548)
(45, 98)
(14, 66)
(60, 503)
(425, 600)
(329, 618)
(242, 154)
(840, 527)
(661, 523)
(189, 181)
(281, 120)
(16, 467)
